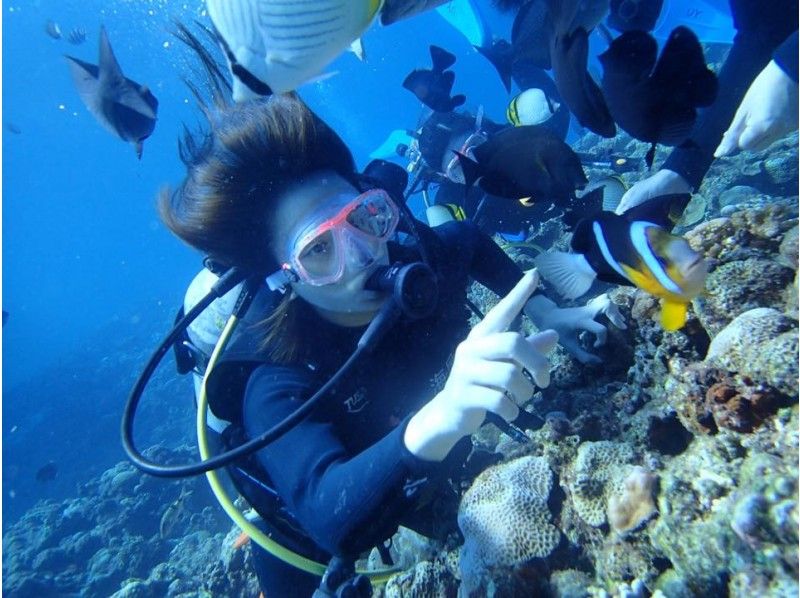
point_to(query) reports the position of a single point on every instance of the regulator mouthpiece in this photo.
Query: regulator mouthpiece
(413, 287)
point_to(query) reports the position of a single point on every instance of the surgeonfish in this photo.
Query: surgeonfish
(527, 163)
(656, 100)
(275, 46)
(433, 86)
(632, 249)
(530, 107)
(124, 107)
(569, 54)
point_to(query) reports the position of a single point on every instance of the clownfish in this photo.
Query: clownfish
(633, 249)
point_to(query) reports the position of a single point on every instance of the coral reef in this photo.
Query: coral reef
(505, 518)
(677, 458)
(598, 472)
(126, 535)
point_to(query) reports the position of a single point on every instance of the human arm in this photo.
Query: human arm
(494, 371)
(769, 108)
(570, 321)
(761, 27)
(492, 267)
(345, 501)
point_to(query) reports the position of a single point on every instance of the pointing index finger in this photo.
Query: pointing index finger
(501, 315)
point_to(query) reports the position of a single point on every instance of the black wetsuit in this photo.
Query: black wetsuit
(761, 28)
(344, 473)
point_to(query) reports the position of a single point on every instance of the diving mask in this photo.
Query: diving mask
(347, 231)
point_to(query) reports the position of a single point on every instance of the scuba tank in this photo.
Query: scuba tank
(204, 332)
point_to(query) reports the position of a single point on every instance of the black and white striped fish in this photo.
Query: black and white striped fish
(274, 46)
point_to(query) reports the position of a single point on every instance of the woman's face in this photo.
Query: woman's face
(344, 302)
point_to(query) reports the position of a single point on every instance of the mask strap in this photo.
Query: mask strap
(280, 279)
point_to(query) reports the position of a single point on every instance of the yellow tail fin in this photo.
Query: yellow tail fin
(673, 315)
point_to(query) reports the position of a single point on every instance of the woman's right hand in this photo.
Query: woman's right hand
(493, 371)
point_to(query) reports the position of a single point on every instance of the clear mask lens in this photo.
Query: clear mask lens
(352, 237)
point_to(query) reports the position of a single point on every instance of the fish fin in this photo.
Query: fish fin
(673, 315)
(471, 169)
(415, 79)
(457, 101)
(576, 49)
(131, 97)
(613, 190)
(357, 48)
(139, 147)
(533, 26)
(110, 72)
(441, 59)
(114, 85)
(676, 129)
(500, 54)
(650, 156)
(526, 201)
(663, 210)
(85, 78)
(682, 63)
(569, 273)
(447, 79)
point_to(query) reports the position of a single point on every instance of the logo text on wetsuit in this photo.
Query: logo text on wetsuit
(357, 401)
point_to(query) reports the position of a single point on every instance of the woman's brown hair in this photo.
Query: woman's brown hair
(236, 171)
(252, 152)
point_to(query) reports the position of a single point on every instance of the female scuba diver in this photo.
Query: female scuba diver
(272, 189)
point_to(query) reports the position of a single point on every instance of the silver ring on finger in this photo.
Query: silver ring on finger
(528, 375)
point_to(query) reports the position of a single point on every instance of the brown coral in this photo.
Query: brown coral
(743, 407)
(707, 398)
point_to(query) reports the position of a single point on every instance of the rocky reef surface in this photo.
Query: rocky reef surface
(128, 535)
(671, 469)
(668, 470)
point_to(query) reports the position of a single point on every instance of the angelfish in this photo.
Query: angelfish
(633, 249)
(274, 46)
(124, 107)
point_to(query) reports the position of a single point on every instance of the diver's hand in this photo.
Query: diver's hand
(767, 113)
(663, 182)
(494, 371)
(569, 321)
